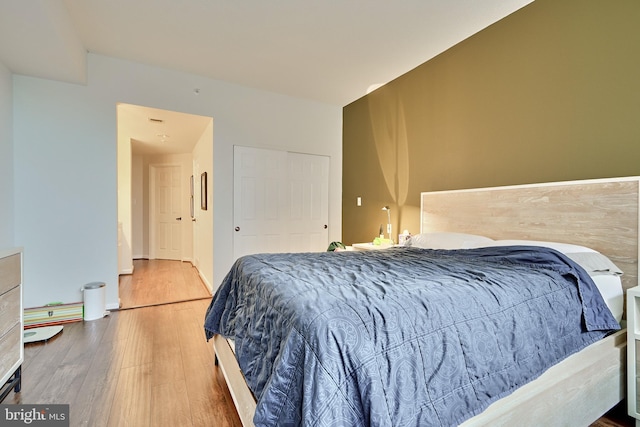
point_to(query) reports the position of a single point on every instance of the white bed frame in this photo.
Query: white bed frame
(242, 396)
(602, 214)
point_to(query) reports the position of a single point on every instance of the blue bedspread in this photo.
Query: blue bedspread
(401, 337)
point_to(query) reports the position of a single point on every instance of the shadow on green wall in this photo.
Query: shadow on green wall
(389, 128)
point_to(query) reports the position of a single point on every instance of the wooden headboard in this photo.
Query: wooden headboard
(602, 214)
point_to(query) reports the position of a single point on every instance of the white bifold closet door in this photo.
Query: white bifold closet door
(280, 201)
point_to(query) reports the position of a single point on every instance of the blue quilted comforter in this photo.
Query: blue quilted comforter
(401, 337)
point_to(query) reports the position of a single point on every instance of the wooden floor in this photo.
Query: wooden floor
(143, 367)
(157, 281)
(149, 366)
(617, 417)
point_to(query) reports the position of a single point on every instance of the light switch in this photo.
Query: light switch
(359, 201)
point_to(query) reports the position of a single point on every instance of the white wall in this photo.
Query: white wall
(203, 161)
(6, 159)
(139, 221)
(65, 164)
(124, 190)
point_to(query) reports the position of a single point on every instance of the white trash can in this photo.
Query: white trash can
(94, 300)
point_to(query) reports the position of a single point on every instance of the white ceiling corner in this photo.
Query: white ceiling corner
(330, 51)
(153, 131)
(38, 39)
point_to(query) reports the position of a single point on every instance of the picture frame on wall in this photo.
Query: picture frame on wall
(203, 191)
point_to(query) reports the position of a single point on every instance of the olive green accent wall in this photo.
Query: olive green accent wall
(550, 93)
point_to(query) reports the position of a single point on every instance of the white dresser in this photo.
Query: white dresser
(11, 321)
(633, 353)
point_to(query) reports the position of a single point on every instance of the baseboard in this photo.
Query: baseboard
(112, 306)
(205, 281)
(126, 271)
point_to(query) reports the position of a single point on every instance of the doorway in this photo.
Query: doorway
(157, 153)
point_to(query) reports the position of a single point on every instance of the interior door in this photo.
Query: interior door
(308, 216)
(280, 201)
(167, 212)
(259, 199)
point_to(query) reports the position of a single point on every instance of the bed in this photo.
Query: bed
(589, 378)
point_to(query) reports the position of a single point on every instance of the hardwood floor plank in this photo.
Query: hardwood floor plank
(69, 376)
(92, 405)
(139, 348)
(119, 328)
(167, 355)
(132, 401)
(211, 403)
(37, 378)
(208, 394)
(171, 406)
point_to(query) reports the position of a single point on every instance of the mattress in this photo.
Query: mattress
(610, 288)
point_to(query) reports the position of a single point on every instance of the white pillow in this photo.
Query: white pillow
(595, 263)
(560, 247)
(591, 260)
(447, 240)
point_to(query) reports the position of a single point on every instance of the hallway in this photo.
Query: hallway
(157, 281)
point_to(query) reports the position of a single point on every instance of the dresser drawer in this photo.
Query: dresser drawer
(10, 272)
(10, 349)
(9, 310)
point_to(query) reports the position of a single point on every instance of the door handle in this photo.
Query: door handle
(326, 226)
(179, 218)
(237, 228)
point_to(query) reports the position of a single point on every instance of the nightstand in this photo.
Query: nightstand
(369, 247)
(633, 350)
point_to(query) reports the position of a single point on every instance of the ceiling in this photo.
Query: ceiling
(330, 51)
(153, 131)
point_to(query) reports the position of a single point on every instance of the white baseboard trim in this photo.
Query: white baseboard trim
(205, 281)
(127, 270)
